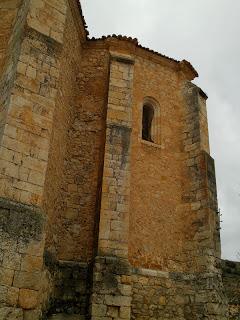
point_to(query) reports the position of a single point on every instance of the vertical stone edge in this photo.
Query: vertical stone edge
(12, 52)
(112, 284)
(201, 195)
(197, 192)
(29, 85)
(28, 122)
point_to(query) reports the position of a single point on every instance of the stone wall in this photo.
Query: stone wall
(78, 173)
(112, 289)
(71, 284)
(8, 13)
(156, 217)
(12, 23)
(231, 282)
(173, 213)
(76, 153)
(176, 231)
(29, 116)
(28, 88)
(180, 296)
(56, 188)
(44, 135)
(21, 260)
(80, 182)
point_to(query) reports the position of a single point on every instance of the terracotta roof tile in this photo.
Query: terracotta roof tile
(119, 37)
(132, 40)
(135, 41)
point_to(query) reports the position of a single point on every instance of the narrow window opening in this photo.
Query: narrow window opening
(147, 118)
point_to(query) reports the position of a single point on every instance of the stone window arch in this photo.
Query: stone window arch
(151, 120)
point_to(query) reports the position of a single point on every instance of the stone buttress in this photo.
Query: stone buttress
(111, 297)
(29, 81)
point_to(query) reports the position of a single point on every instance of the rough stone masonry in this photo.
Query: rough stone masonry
(98, 220)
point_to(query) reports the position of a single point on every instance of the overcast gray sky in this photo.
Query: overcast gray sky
(206, 33)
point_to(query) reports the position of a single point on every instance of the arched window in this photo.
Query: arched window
(147, 118)
(151, 121)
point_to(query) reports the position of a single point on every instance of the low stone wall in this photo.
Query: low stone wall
(180, 296)
(231, 281)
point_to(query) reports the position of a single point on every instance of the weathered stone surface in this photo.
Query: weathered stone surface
(21, 221)
(6, 276)
(11, 313)
(72, 287)
(231, 281)
(64, 316)
(132, 228)
(178, 296)
(32, 314)
(21, 232)
(76, 153)
(113, 241)
(27, 280)
(108, 298)
(31, 263)
(100, 310)
(28, 299)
